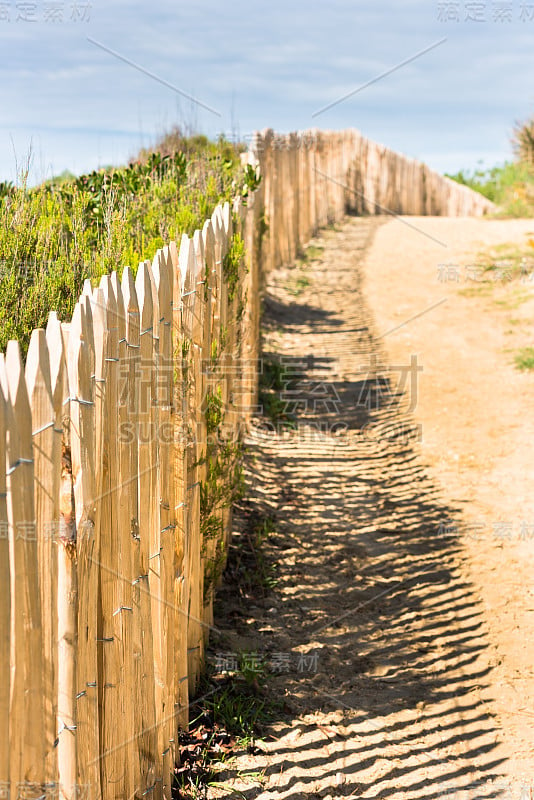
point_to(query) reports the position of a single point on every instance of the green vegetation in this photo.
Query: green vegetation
(64, 177)
(233, 709)
(238, 704)
(222, 487)
(56, 235)
(524, 359)
(252, 180)
(214, 411)
(250, 569)
(234, 703)
(222, 482)
(232, 265)
(510, 186)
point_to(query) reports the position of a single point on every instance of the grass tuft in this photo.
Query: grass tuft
(524, 359)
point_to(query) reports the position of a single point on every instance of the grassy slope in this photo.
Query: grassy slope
(55, 236)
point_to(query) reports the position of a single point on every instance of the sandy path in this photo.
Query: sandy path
(404, 640)
(478, 427)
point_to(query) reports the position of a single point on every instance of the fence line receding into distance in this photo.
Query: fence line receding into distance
(106, 570)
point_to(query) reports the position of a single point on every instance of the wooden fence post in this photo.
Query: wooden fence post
(26, 712)
(114, 767)
(81, 372)
(181, 544)
(47, 469)
(164, 523)
(148, 738)
(5, 589)
(130, 475)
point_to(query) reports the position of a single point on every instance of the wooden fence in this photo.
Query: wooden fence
(314, 178)
(118, 435)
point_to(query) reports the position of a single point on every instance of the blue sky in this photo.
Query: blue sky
(75, 106)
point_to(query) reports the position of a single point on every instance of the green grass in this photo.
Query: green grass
(261, 573)
(248, 566)
(227, 717)
(237, 701)
(524, 359)
(54, 236)
(231, 711)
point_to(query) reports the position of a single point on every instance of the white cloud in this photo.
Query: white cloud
(276, 63)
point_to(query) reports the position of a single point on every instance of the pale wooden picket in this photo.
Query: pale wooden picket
(114, 767)
(179, 478)
(130, 364)
(146, 728)
(27, 662)
(195, 639)
(5, 583)
(162, 568)
(67, 582)
(47, 472)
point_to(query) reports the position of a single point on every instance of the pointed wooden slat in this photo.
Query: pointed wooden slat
(164, 647)
(176, 292)
(59, 393)
(147, 741)
(181, 540)
(208, 240)
(218, 223)
(47, 468)
(5, 590)
(114, 769)
(81, 372)
(67, 591)
(56, 353)
(123, 531)
(199, 285)
(131, 476)
(169, 254)
(98, 310)
(183, 262)
(201, 340)
(157, 556)
(216, 282)
(227, 220)
(222, 346)
(26, 715)
(190, 369)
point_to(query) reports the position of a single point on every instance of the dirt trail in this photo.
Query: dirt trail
(401, 637)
